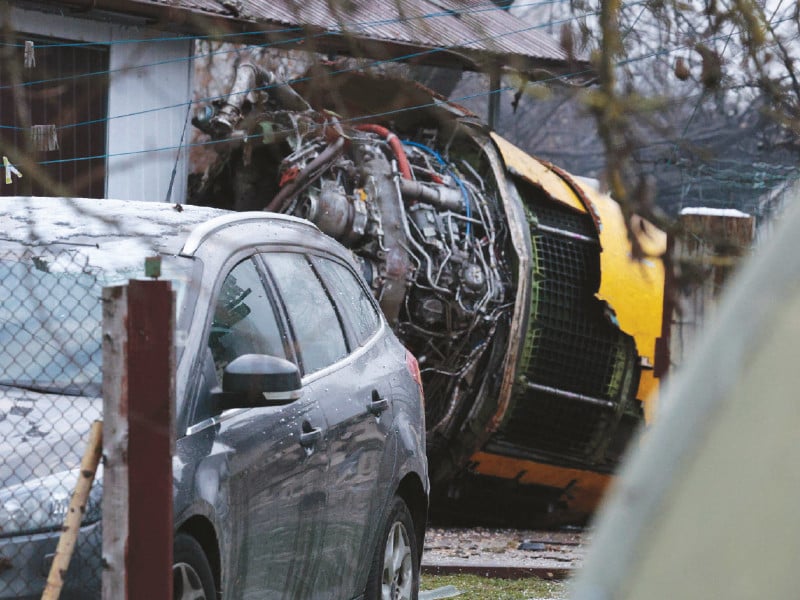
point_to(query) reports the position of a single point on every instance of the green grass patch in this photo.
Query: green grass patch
(478, 588)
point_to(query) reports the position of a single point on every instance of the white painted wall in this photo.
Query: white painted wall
(146, 91)
(147, 106)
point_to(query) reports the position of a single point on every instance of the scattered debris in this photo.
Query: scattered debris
(530, 546)
(501, 553)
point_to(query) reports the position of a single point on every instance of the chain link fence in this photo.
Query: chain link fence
(50, 393)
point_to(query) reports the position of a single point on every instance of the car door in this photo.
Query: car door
(264, 468)
(355, 397)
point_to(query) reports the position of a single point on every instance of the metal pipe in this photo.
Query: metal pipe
(428, 259)
(306, 176)
(570, 395)
(567, 234)
(420, 249)
(244, 83)
(394, 143)
(439, 196)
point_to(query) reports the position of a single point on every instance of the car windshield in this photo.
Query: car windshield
(51, 315)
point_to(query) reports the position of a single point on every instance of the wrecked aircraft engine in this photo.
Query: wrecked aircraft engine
(485, 261)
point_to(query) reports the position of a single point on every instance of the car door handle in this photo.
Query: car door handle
(378, 404)
(309, 436)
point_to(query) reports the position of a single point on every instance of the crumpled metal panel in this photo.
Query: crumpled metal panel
(473, 25)
(633, 288)
(522, 164)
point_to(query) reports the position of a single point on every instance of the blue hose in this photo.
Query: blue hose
(425, 148)
(460, 183)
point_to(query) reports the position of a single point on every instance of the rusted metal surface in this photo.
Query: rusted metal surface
(150, 446)
(469, 34)
(470, 24)
(138, 404)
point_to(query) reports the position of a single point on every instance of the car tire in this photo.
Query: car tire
(394, 573)
(191, 574)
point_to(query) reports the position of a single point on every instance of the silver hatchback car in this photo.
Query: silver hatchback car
(318, 492)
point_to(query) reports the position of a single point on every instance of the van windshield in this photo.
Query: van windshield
(51, 315)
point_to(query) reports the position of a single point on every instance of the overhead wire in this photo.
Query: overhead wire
(375, 63)
(477, 9)
(703, 95)
(500, 90)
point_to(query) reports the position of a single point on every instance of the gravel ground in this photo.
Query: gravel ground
(522, 548)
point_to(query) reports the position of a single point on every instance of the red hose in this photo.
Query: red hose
(394, 142)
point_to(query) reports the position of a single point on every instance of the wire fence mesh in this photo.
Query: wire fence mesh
(50, 381)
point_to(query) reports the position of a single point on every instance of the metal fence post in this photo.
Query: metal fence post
(138, 401)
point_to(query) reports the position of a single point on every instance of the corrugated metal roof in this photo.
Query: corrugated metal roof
(466, 33)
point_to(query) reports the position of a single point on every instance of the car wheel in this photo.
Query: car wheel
(394, 574)
(191, 573)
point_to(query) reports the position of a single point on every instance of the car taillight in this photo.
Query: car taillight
(413, 368)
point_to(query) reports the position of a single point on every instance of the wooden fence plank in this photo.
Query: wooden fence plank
(138, 406)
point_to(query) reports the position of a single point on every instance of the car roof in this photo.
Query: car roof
(129, 229)
(38, 221)
(166, 228)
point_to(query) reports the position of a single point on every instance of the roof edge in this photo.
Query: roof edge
(181, 19)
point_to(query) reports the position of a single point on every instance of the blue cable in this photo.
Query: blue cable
(430, 151)
(450, 172)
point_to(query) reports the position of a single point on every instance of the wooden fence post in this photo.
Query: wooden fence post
(709, 247)
(115, 442)
(138, 408)
(77, 508)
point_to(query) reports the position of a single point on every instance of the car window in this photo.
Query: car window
(351, 298)
(316, 325)
(244, 319)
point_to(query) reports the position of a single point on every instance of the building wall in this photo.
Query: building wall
(150, 87)
(140, 121)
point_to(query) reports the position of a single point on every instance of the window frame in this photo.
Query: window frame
(347, 334)
(198, 375)
(350, 329)
(252, 331)
(204, 381)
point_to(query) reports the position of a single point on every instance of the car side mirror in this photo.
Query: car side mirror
(253, 380)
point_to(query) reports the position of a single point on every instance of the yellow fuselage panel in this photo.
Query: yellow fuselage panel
(538, 173)
(585, 487)
(633, 288)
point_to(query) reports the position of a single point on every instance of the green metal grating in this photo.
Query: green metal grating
(581, 365)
